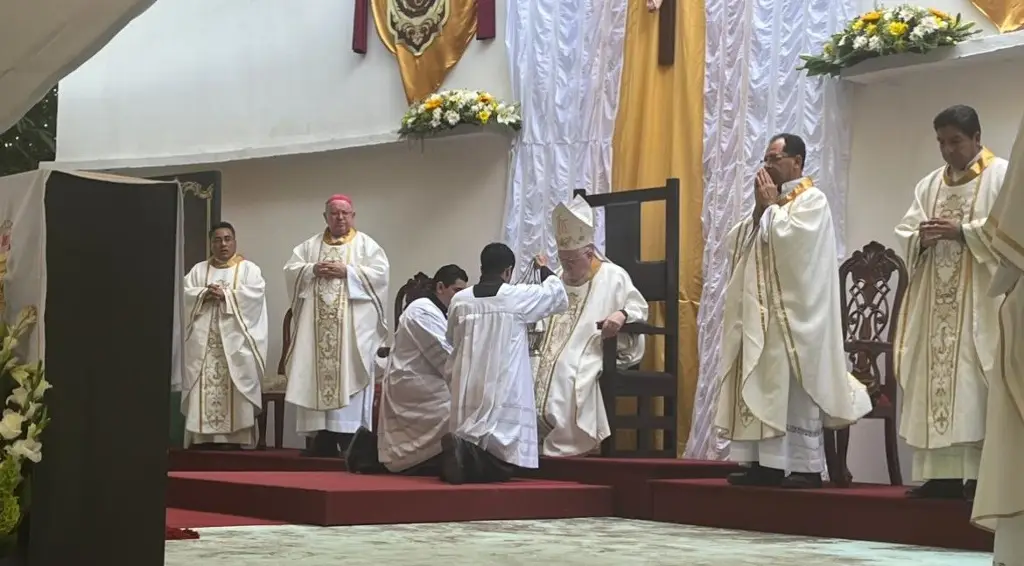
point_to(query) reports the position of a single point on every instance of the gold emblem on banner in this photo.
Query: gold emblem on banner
(433, 36)
(5, 249)
(416, 23)
(1007, 15)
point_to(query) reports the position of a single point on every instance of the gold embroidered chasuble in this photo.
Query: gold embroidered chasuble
(999, 501)
(338, 324)
(570, 409)
(947, 337)
(782, 322)
(225, 352)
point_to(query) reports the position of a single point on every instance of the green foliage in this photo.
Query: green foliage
(32, 139)
(887, 31)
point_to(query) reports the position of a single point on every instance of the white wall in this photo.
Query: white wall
(427, 205)
(893, 147)
(194, 81)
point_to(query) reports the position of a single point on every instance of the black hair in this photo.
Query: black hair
(221, 225)
(794, 146)
(496, 258)
(448, 275)
(962, 117)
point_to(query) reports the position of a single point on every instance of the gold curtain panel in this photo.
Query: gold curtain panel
(1007, 15)
(428, 37)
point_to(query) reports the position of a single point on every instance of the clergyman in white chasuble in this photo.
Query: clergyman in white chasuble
(493, 419)
(999, 501)
(225, 346)
(947, 338)
(783, 368)
(337, 282)
(415, 400)
(570, 409)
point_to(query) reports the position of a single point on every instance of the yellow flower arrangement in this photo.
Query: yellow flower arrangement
(885, 31)
(447, 109)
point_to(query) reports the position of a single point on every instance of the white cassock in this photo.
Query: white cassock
(947, 334)
(572, 417)
(415, 401)
(783, 368)
(225, 353)
(338, 324)
(999, 499)
(493, 402)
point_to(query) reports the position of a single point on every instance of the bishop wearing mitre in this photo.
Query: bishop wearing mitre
(948, 335)
(337, 281)
(999, 500)
(571, 417)
(783, 370)
(225, 346)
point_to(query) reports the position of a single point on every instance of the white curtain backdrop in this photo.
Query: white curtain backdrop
(751, 92)
(565, 59)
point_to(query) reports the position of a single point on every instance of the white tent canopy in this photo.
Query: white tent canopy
(41, 41)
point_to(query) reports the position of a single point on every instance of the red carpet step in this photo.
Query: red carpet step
(862, 512)
(188, 519)
(249, 461)
(629, 477)
(340, 498)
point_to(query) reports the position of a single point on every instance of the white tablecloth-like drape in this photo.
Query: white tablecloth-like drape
(41, 41)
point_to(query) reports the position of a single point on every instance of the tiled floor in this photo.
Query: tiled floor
(566, 542)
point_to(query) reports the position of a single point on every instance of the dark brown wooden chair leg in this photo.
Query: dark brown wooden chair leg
(261, 425)
(842, 448)
(279, 423)
(892, 452)
(831, 456)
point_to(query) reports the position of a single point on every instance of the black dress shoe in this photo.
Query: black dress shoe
(361, 456)
(799, 480)
(938, 489)
(970, 486)
(452, 455)
(325, 445)
(757, 476)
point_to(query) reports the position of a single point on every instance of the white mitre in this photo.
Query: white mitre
(574, 224)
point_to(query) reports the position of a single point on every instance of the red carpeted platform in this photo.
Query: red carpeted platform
(862, 512)
(188, 519)
(340, 498)
(629, 477)
(249, 461)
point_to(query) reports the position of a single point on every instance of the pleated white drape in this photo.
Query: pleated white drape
(752, 91)
(565, 59)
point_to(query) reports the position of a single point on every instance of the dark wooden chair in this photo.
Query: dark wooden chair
(415, 288)
(275, 395)
(657, 281)
(872, 284)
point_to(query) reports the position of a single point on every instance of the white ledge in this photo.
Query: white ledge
(294, 148)
(987, 49)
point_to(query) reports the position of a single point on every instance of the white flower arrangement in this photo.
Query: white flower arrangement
(884, 31)
(22, 423)
(447, 109)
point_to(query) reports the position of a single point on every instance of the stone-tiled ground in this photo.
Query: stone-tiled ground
(566, 542)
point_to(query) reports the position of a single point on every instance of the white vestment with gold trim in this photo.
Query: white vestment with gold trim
(337, 327)
(783, 368)
(947, 335)
(570, 409)
(225, 353)
(999, 500)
